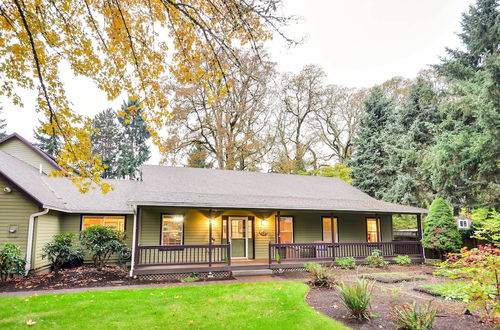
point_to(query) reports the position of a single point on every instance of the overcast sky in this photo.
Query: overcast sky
(358, 43)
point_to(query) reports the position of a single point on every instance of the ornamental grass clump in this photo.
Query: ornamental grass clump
(356, 298)
(414, 317)
(321, 276)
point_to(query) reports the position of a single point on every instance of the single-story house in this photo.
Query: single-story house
(181, 220)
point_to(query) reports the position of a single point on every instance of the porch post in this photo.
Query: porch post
(419, 226)
(210, 238)
(228, 241)
(278, 233)
(135, 241)
(420, 234)
(333, 235)
(278, 236)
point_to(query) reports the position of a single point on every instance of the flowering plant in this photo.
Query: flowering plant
(478, 268)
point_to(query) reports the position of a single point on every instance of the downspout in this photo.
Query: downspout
(31, 232)
(134, 232)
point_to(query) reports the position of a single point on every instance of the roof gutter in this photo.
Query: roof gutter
(31, 235)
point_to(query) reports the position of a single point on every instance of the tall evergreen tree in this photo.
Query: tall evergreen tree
(413, 131)
(370, 161)
(480, 36)
(50, 143)
(464, 161)
(134, 150)
(106, 140)
(3, 125)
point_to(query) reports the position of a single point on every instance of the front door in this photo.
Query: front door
(241, 233)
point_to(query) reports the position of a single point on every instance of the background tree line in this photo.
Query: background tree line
(119, 139)
(404, 141)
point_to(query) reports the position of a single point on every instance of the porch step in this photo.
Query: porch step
(252, 272)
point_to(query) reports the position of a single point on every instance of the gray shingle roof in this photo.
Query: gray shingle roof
(182, 186)
(190, 187)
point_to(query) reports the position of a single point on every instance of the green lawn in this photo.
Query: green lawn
(275, 305)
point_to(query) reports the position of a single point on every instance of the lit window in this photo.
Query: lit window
(373, 229)
(327, 230)
(286, 229)
(171, 229)
(117, 222)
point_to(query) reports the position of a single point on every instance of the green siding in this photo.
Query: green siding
(15, 210)
(21, 151)
(46, 227)
(307, 226)
(71, 222)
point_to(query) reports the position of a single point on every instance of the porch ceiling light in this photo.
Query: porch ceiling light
(212, 221)
(264, 222)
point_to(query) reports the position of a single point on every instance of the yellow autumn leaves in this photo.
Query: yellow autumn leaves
(126, 47)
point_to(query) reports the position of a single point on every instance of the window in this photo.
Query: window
(286, 229)
(171, 229)
(115, 221)
(373, 229)
(327, 230)
(463, 224)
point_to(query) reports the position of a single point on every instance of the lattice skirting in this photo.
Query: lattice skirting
(277, 271)
(220, 275)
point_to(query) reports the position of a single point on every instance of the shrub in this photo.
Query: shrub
(62, 249)
(488, 229)
(376, 259)
(441, 232)
(357, 298)
(346, 263)
(480, 268)
(11, 262)
(193, 278)
(402, 260)
(321, 276)
(414, 317)
(309, 266)
(102, 242)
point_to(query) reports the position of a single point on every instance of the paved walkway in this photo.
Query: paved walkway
(239, 279)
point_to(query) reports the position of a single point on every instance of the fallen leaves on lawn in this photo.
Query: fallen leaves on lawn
(30, 322)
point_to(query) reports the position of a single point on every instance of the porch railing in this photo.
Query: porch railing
(330, 251)
(183, 255)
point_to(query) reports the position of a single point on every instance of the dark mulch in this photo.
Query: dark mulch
(84, 276)
(327, 302)
(393, 277)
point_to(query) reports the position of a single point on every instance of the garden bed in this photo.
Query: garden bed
(79, 277)
(328, 302)
(393, 277)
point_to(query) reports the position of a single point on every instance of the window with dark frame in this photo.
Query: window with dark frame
(328, 233)
(172, 227)
(115, 221)
(373, 229)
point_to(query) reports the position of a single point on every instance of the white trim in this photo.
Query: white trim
(134, 231)
(245, 219)
(182, 232)
(31, 235)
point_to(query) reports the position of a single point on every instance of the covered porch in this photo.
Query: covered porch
(184, 240)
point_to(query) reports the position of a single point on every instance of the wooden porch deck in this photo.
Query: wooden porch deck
(250, 264)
